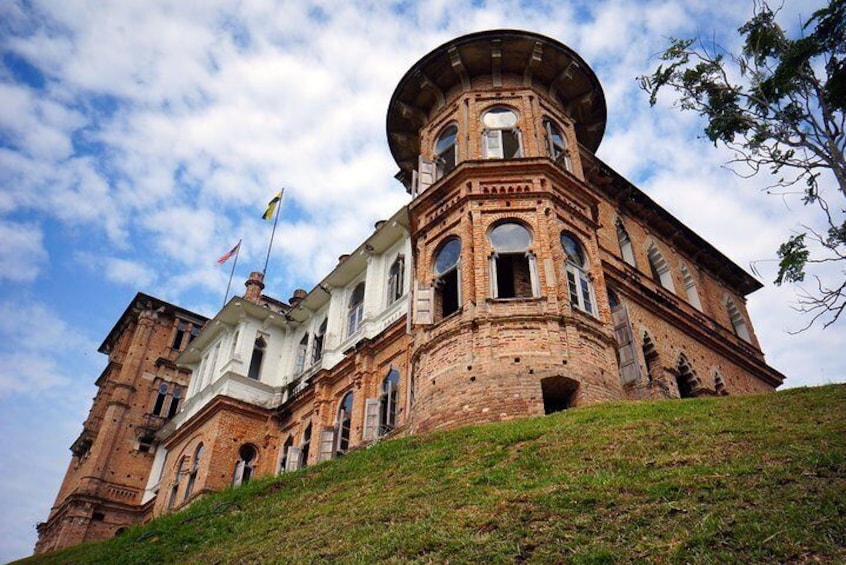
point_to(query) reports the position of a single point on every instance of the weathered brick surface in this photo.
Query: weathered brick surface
(492, 360)
(224, 425)
(102, 488)
(487, 361)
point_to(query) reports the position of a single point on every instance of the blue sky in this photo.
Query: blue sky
(141, 140)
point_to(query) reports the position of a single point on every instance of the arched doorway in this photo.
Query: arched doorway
(558, 393)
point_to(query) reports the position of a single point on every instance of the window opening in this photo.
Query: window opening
(446, 150)
(192, 475)
(650, 357)
(578, 280)
(283, 463)
(501, 138)
(738, 323)
(319, 337)
(181, 329)
(174, 402)
(195, 331)
(396, 283)
(556, 144)
(302, 350)
(613, 301)
(213, 364)
(625, 242)
(246, 463)
(304, 448)
(659, 268)
(719, 384)
(204, 369)
(388, 402)
(356, 309)
(161, 396)
(690, 287)
(174, 489)
(558, 393)
(344, 424)
(447, 261)
(685, 378)
(258, 357)
(512, 275)
(234, 348)
(145, 443)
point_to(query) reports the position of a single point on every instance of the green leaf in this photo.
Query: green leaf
(793, 255)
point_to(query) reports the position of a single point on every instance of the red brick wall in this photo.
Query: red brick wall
(107, 482)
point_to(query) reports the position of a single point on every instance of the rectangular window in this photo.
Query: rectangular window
(355, 317)
(447, 295)
(396, 274)
(501, 144)
(513, 276)
(581, 291)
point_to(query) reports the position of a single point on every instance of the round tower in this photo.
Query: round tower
(508, 291)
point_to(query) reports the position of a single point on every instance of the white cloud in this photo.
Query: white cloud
(163, 128)
(22, 254)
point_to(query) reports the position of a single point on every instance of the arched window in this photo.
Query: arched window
(396, 279)
(388, 402)
(556, 144)
(302, 351)
(233, 351)
(195, 469)
(305, 446)
(344, 424)
(167, 400)
(319, 341)
(690, 287)
(625, 243)
(659, 268)
(179, 335)
(355, 310)
(613, 300)
(286, 454)
(161, 396)
(650, 357)
(719, 384)
(447, 277)
(513, 273)
(501, 138)
(738, 323)
(245, 466)
(174, 402)
(578, 281)
(446, 150)
(688, 383)
(174, 489)
(257, 358)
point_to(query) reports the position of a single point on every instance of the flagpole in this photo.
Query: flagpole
(232, 273)
(273, 233)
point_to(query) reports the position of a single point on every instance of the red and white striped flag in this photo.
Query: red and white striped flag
(228, 255)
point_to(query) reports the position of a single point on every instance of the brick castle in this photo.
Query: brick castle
(524, 277)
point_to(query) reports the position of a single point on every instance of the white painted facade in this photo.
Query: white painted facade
(220, 356)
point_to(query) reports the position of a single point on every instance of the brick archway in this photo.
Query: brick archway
(559, 393)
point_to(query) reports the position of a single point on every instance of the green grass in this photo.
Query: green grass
(726, 480)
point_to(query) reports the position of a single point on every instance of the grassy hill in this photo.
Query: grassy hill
(725, 480)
